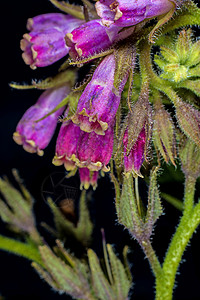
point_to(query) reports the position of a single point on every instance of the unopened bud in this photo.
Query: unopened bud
(163, 134)
(189, 154)
(189, 120)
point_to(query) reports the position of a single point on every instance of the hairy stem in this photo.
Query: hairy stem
(152, 258)
(187, 226)
(189, 194)
(165, 276)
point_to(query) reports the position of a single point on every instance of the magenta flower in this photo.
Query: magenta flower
(99, 102)
(133, 161)
(93, 37)
(95, 151)
(88, 178)
(35, 136)
(45, 44)
(89, 38)
(75, 147)
(66, 146)
(128, 13)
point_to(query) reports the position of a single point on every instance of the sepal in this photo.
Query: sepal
(82, 231)
(17, 209)
(189, 154)
(72, 280)
(119, 282)
(67, 77)
(154, 206)
(71, 9)
(127, 208)
(164, 138)
(189, 120)
(130, 210)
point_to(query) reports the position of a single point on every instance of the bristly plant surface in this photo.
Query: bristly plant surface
(136, 112)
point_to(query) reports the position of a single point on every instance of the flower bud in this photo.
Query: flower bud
(180, 60)
(35, 135)
(134, 159)
(189, 154)
(163, 133)
(127, 13)
(88, 178)
(189, 120)
(139, 123)
(45, 44)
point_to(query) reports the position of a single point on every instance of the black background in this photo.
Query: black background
(18, 279)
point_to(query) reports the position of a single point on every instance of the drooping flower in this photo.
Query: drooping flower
(75, 147)
(99, 102)
(128, 13)
(35, 136)
(93, 37)
(133, 160)
(45, 44)
(66, 146)
(95, 151)
(88, 178)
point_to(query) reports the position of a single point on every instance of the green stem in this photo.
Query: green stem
(152, 258)
(21, 249)
(146, 67)
(189, 194)
(188, 224)
(172, 200)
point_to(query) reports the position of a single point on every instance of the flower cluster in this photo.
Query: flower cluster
(100, 120)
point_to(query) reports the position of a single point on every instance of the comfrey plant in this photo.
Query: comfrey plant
(137, 111)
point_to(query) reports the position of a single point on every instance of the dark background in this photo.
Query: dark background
(18, 279)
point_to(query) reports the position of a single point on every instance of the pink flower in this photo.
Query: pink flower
(133, 161)
(45, 44)
(130, 12)
(75, 147)
(35, 136)
(99, 102)
(88, 178)
(66, 146)
(93, 37)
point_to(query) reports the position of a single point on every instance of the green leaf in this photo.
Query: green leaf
(100, 284)
(121, 284)
(45, 275)
(14, 198)
(193, 85)
(16, 210)
(21, 249)
(67, 279)
(172, 200)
